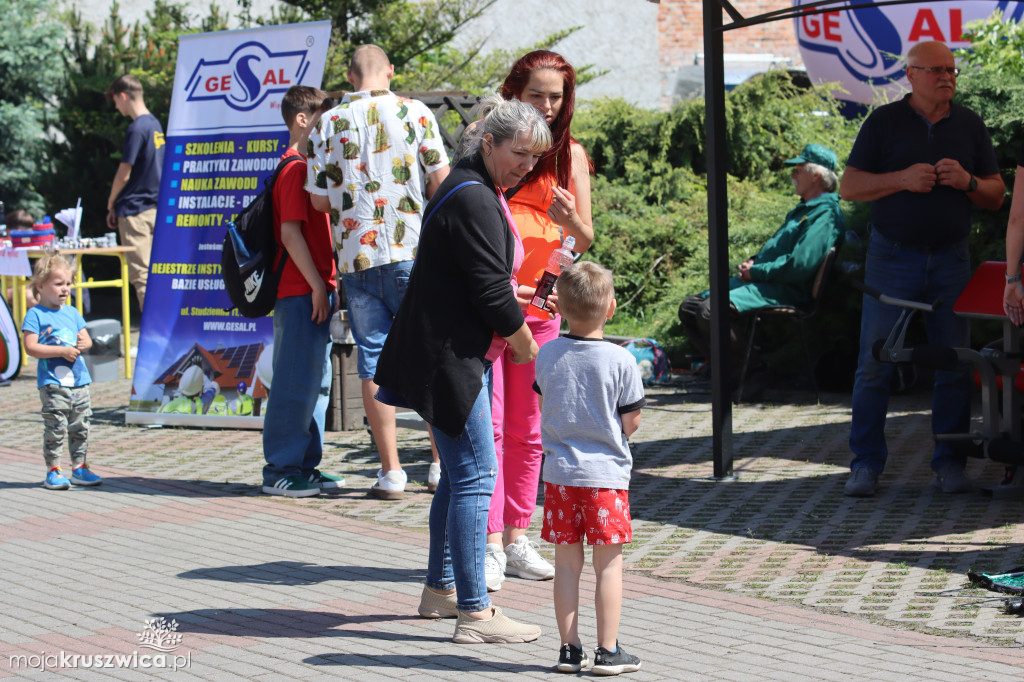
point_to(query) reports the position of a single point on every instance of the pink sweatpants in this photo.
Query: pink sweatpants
(517, 435)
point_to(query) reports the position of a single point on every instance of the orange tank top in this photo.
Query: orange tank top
(529, 206)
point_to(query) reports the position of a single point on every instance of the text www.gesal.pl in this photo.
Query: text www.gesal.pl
(228, 326)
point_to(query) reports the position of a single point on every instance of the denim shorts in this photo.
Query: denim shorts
(373, 297)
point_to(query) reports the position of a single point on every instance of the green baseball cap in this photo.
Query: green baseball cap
(815, 153)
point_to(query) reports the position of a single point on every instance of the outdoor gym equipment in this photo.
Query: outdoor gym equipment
(998, 371)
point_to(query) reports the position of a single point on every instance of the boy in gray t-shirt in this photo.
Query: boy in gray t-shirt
(591, 395)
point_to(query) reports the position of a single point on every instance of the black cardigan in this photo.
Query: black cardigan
(459, 296)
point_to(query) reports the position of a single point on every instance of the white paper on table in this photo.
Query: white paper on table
(72, 217)
(14, 263)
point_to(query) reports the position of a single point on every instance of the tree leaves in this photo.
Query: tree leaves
(30, 69)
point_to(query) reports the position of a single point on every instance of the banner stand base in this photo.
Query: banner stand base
(202, 420)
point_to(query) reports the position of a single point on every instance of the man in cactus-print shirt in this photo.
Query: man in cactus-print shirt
(374, 162)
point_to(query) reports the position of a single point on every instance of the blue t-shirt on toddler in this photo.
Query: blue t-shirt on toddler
(58, 327)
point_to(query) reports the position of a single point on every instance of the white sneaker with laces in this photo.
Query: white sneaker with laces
(494, 567)
(389, 486)
(524, 561)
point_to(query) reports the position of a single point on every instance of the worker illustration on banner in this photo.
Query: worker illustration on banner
(199, 361)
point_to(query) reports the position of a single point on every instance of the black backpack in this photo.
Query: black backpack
(247, 259)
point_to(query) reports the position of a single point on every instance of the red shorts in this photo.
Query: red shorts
(601, 514)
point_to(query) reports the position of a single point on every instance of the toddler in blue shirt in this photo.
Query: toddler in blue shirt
(55, 334)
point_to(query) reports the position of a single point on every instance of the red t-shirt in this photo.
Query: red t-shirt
(291, 202)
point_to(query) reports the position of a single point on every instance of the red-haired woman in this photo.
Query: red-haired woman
(552, 202)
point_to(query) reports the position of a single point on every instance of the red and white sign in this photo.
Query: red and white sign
(864, 49)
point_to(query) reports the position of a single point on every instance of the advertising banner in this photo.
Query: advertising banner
(199, 362)
(863, 49)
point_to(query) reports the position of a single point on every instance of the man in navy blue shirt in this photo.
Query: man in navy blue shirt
(131, 208)
(923, 162)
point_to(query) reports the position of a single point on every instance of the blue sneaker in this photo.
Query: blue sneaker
(56, 480)
(326, 481)
(83, 476)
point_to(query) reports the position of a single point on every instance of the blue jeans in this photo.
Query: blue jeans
(921, 275)
(373, 297)
(458, 514)
(293, 427)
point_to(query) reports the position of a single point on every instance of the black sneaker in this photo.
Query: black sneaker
(608, 663)
(572, 659)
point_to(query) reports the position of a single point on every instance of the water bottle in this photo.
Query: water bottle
(560, 259)
(242, 255)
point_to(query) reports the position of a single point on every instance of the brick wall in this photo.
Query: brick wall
(681, 37)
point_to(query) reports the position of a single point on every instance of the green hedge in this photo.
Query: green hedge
(650, 201)
(650, 191)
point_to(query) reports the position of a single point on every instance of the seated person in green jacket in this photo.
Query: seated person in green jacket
(783, 272)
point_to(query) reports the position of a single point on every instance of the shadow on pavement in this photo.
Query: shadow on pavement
(146, 485)
(16, 485)
(455, 664)
(292, 624)
(789, 490)
(110, 416)
(301, 573)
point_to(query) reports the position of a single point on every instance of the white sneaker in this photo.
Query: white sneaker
(494, 567)
(525, 562)
(390, 486)
(433, 476)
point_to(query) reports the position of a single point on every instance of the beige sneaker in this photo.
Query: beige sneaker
(434, 604)
(499, 629)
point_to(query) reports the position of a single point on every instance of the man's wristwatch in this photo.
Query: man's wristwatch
(973, 184)
(1010, 279)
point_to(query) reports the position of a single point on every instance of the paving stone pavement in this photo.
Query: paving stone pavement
(775, 575)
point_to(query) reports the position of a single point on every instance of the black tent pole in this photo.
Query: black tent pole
(718, 240)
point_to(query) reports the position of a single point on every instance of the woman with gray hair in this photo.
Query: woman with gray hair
(459, 313)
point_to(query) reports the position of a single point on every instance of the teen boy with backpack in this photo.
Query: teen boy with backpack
(293, 425)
